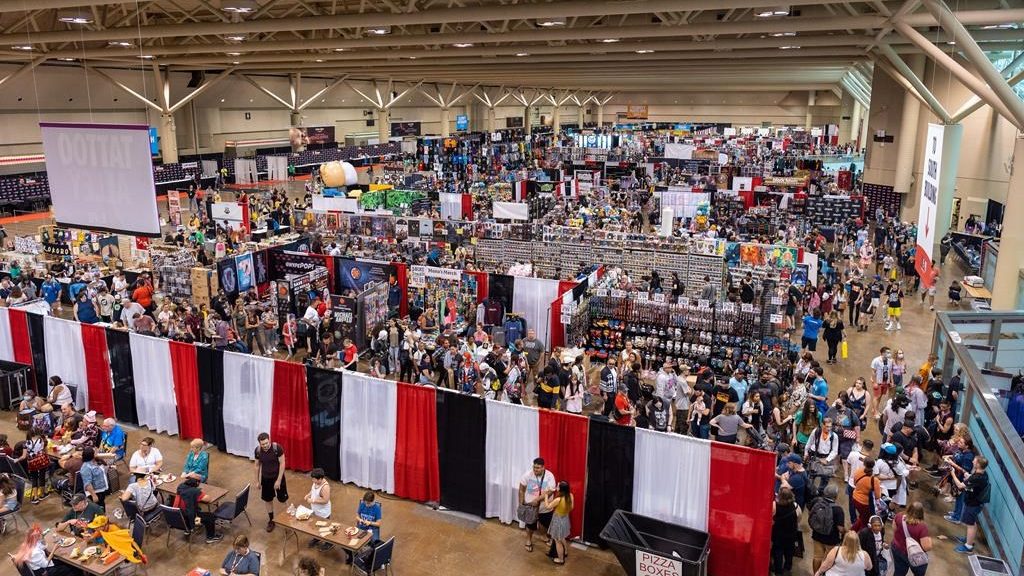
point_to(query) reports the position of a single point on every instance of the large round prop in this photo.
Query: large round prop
(338, 174)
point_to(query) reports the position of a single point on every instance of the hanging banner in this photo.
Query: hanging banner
(373, 313)
(227, 274)
(344, 309)
(174, 207)
(930, 173)
(245, 272)
(284, 263)
(355, 275)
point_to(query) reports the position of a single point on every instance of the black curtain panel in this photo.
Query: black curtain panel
(324, 388)
(500, 287)
(35, 336)
(123, 377)
(461, 436)
(609, 475)
(210, 365)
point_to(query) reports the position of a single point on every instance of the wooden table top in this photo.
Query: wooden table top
(211, 494)
(977, 292)
(92, 566)
(54, 452)
(309, 527)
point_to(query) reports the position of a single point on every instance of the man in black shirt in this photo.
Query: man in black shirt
(269, 461)
(977, 492)
(907, 439)
(723, 394)
(823, 542)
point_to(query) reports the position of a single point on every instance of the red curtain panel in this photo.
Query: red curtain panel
(186, 390)
(19, 336)
(563, 446)
(401, 274)
(740, 510)
(467, 208)
(97, 369)
(481, 284)
(556, 332)
(417, 476)
(290, 426)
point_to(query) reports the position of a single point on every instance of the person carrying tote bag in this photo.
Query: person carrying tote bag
(910, 542)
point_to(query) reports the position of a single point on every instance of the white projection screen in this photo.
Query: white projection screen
(101, 177)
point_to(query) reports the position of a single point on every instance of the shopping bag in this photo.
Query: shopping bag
(844, 350)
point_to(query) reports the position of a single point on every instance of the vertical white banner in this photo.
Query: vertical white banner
(930, 173)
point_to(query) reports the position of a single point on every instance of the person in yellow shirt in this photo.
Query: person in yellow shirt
(926, 368)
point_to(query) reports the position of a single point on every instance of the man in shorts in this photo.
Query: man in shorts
(929, 292)
(533, 490)
(881, 377)
(270, 475)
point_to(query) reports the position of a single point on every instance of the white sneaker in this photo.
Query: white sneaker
(899, 326)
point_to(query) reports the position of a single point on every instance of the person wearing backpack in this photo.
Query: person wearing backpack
(826, 521)
(820, 453)
(910, 542)
(977, 492)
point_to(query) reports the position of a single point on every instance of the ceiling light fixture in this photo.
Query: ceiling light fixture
(66, 59)
(319, 59)
(238, 6)
(781, 34)
(341, 49)
(120, 43)
(236, 63)
(463, 45)
(522, 53)
(235, 38)
(777, 11)
(789, 47)
(233, 53)
(25, 47)
(380, 30)
(547, 22)
(644, 51)
(75, 16)
(610, 40)
(146, 56)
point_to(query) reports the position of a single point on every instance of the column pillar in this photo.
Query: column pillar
(580, 113)
(809, 117)
(600, 115)
(168, 138)
(492, 120)
(855, 123)
(1005, 286)
(446, 121)
(951, 138)
(863, 138)
(296, 118)
(556, 119)
(527, 125)
(906, 139)
(383, 125)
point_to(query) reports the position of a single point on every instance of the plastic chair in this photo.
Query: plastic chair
(131, 512)
(175, 520)
(16, 468)
(23, 569)
(379, 560)
(228, 511)
(260, 568)
(19, 487)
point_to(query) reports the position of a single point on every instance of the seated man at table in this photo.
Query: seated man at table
(197, 462)
(189, 495)
(112, 438)
(142, 492)
(60, 419)
(78, 517)
(368, 517)
(240, 561)
(90, 432)
(147, 458)
(119, 539)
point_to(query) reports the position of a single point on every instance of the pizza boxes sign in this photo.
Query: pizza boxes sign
(649, 564)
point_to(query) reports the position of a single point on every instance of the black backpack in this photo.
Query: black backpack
(821, 519)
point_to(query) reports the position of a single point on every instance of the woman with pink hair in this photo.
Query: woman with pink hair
(32, 554)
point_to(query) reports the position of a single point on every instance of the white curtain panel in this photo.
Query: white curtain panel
(65, 355)
(248, 400)
(154, 383)
(6, 341)
(678, 492)
(369, 424)
(532, 298)
(451, 206)
(513, 441)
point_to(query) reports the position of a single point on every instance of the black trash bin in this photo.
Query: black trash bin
(657, 543)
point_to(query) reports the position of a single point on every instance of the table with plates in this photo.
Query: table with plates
(54, 452)
(89, 565)
(341, 538)
(169, 485)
